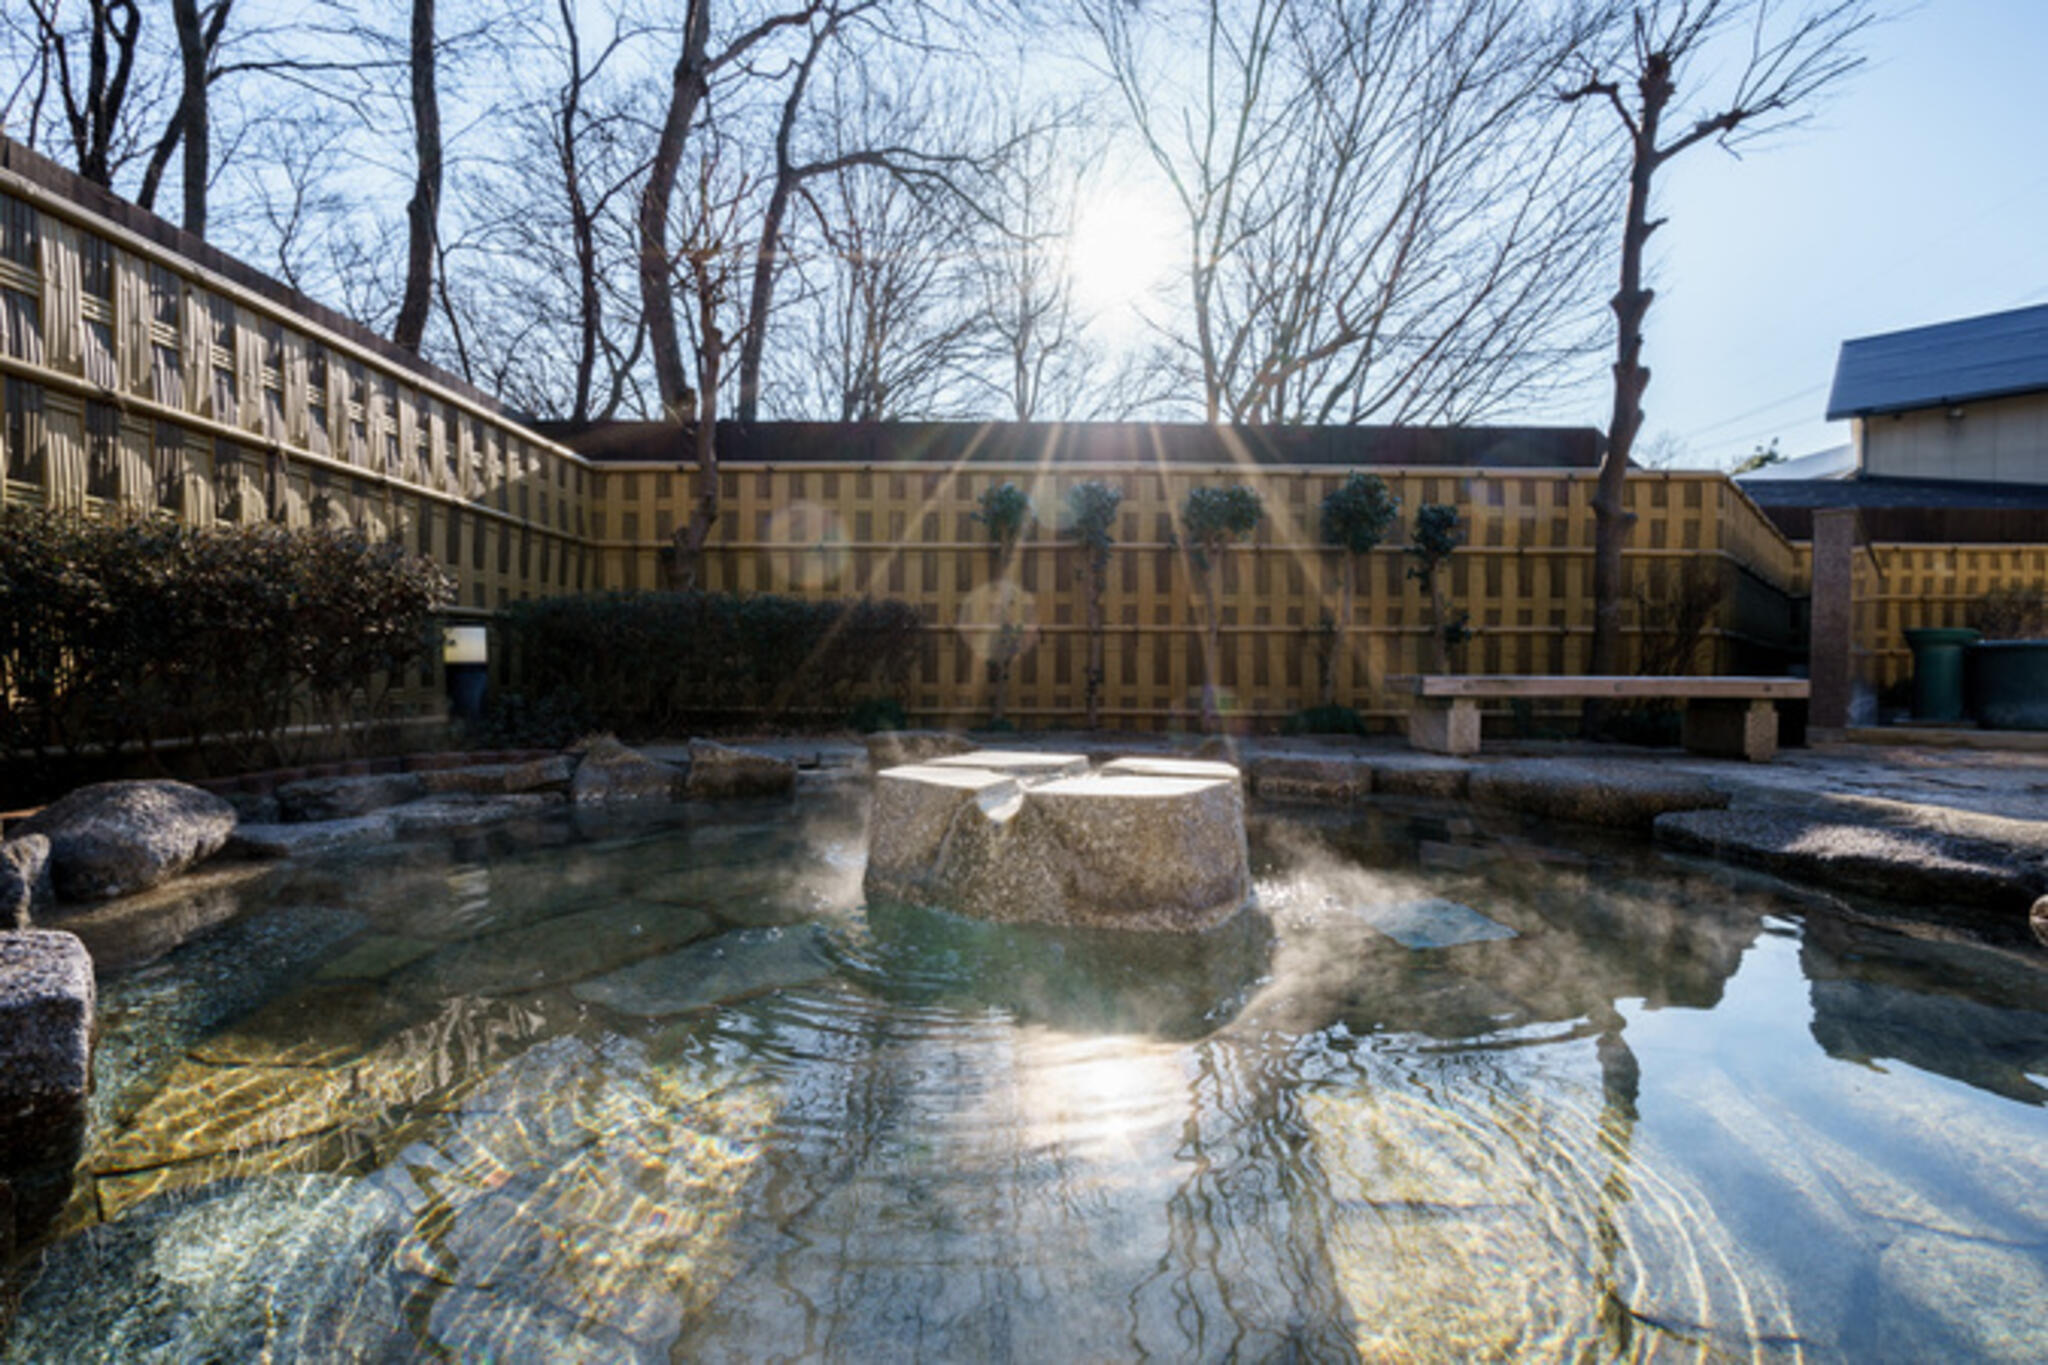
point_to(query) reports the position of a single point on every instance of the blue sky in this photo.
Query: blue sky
(1918, 193)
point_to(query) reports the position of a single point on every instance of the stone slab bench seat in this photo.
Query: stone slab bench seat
(1732, 717)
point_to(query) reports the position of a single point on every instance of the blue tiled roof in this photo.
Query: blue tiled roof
(1952, 362)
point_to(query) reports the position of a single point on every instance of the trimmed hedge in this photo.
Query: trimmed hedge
(134, 631)
(656, 663)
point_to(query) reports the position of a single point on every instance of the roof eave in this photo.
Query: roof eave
(1836, 414)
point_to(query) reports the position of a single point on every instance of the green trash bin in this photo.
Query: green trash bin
(1938, 672)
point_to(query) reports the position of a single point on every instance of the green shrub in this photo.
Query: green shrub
(1358, 513)
(139, 630)
(1326, 720)
(2011, 613)
(512, 721)
(1215, 518)
(1006, 511)
(649, 663)
(877, 714)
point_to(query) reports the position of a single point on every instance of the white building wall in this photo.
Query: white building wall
(2000, 440)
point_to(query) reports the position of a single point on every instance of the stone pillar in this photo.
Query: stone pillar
(1831, 640)
(46, 1014)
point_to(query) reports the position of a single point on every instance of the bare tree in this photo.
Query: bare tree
(689, 85)
(1040, 360)
(92, 87)
(573, 125)
(1386, 216)
(885, 333)
(423, 214)
(199, 34)
(1787, 56)
(713, 251)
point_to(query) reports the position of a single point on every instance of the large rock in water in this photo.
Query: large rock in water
(720, 770)
(343, 798)
(609, 771)
(1111, 849)
(24, 878)
(114, 838)
(46, 1012)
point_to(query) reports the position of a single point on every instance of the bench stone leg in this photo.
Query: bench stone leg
(1444, 726)
(1732, 729)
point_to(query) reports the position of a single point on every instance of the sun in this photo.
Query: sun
(1123, 246)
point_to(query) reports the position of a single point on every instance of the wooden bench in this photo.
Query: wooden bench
(1726, 717)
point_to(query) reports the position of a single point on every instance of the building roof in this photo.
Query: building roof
(1993, 356)
(1937, 511)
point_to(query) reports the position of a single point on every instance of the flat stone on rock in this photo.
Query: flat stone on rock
(1334, 778)
(1023, 764)
(609, 771)
(1898, 864)
(338, 798)
(114, 838)
(712, 972)
(1433, 923)
(24, 879)
(895, 748)
(310, 836)
(1618, 795)
(1107, 850)
(1201, 768)
(46, 1014)
(718, 771)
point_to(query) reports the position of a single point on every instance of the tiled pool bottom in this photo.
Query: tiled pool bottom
(671, 1092)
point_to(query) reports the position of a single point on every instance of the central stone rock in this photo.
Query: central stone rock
(1039, 838)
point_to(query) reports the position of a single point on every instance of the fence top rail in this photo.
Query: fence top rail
(23, 174)
(1595, 685)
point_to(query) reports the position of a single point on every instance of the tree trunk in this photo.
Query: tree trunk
(423, 214)
(192, 53)
(1212, 652)
(582, 230)
(1096, 673)
(762, 295)
(1340, 647)
(191, 94)
(691, 538)
(1439, 651)
(687, 89)
(1611, 518)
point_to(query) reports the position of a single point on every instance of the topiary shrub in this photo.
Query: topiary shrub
(1091, 513)
(1357, 514)
(1214, 519)
(1435, 540)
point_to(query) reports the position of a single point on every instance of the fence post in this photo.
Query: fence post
(1831, 640)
